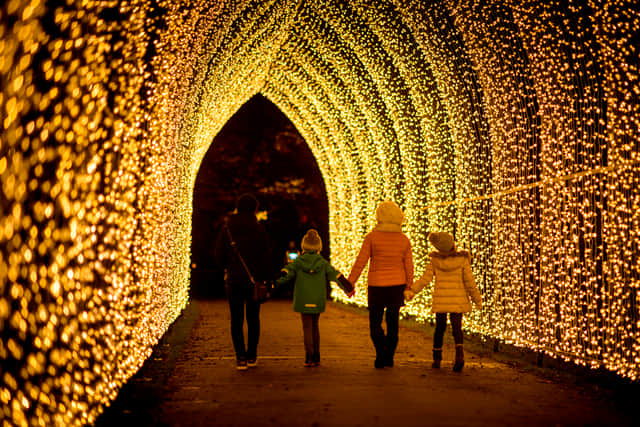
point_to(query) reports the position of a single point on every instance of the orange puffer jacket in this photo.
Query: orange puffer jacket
(454, 282)
(391, 259)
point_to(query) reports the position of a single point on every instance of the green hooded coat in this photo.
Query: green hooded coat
(311, 273)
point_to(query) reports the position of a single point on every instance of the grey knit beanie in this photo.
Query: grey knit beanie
(442, 241)
(311, 241)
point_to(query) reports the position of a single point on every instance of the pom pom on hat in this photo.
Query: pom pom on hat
(247, 203)
(389, 212)
(311, 241)
(442, 241)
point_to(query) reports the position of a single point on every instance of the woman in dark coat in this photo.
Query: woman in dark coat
(252, 243)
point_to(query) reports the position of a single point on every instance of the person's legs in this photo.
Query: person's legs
(377, 333)
(391, 340)
(456, 325)
(441, 326)
(438, 338)
(236, 307)
(315, 327)
(307, 331)
(253, 328)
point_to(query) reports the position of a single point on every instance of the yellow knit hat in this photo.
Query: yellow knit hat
(311, 241)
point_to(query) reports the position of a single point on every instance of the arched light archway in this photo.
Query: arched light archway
(513, 125)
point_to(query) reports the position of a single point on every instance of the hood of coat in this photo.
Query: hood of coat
(392, 228)
(310, 262)
(389, 212)
(448, 261)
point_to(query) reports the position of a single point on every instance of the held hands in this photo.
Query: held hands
(347, 287)
(409, 294)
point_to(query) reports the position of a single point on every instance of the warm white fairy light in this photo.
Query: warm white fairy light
(512, 124)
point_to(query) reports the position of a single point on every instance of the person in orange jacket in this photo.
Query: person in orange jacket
(388, 251)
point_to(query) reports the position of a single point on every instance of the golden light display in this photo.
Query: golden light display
(515, 125)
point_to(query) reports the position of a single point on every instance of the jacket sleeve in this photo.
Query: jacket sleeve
(289, 274)
(220, 253)
(333, 275)
(361, 260)
(470, 284)
(408, 266)
(424, 280)
(331, 272)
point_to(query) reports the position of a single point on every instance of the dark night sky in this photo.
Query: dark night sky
(258, 151)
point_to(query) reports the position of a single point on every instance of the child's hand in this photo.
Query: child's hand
(409, 294)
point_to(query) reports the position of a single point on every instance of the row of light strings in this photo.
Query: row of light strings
(514, 125)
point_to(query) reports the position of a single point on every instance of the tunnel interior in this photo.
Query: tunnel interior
(259, 152)
(511, 124)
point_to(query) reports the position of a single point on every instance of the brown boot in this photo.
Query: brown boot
(437, 358)
(459, 362)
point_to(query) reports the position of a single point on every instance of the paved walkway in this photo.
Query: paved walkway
(198, 385)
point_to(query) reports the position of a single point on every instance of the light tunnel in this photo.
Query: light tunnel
(514, 125)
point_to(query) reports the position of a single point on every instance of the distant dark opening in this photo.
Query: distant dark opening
(258, 151)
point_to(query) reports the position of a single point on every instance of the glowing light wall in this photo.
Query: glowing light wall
(513, 124)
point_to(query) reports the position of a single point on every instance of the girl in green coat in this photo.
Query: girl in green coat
(311, 273)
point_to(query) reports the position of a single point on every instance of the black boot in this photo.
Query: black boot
(437, 358)
(459, 363)
(379, 362)
(387, 357)
(315, 359)
(308, 360)
(378, 342)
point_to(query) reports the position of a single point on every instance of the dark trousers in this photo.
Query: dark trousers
(390, 298)
(385, 344)
(441, 326)
(238, 299)
(311, 333)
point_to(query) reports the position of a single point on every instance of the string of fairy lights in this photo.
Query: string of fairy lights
(512, 124)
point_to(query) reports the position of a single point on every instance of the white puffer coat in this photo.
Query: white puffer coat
(454, 282)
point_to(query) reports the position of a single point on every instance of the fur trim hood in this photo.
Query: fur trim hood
(443, 255)
(450, 261)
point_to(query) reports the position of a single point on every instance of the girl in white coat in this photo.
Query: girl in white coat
(454, 285)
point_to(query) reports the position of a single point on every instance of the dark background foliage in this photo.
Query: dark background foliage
(258, 151)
